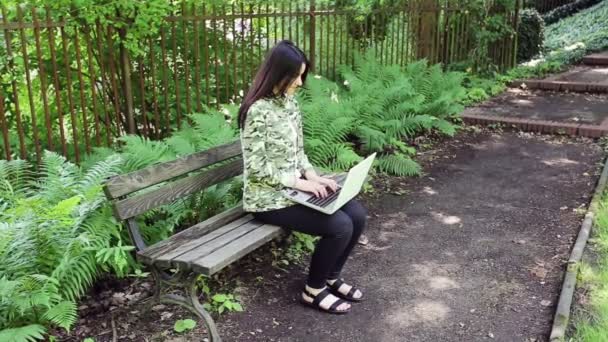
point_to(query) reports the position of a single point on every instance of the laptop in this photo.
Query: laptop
(349, 186)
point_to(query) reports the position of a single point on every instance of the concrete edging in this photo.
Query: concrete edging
(562, 312)
(541, 126)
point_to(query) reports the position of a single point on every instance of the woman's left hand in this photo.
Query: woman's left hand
(328, 182)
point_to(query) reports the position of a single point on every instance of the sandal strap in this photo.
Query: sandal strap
(338, 283)
(334, 306)
(317, 299)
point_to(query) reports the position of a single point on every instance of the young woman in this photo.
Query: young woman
(274, 158)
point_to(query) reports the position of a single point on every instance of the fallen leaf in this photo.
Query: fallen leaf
(539, 271)
(545, 302)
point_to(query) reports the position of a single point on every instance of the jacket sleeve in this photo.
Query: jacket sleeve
(260, 150)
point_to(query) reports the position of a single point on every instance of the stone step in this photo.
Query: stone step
(580, 79)
(597, 59)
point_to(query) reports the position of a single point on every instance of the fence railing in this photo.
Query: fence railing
(73, 88)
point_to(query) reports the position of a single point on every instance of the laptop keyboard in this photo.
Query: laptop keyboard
(324, 202)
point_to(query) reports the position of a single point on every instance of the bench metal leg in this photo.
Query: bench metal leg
(186, 282)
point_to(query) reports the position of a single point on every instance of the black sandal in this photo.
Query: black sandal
(316, 302)
(349, 296)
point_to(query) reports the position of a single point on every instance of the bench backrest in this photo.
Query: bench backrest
(123, 190)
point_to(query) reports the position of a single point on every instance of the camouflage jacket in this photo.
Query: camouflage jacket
(273, 153)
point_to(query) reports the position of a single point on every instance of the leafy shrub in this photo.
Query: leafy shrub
(567, 10)
(57, 232)
(587, 31)
(56, 235)
(530, 35)
(381, 107)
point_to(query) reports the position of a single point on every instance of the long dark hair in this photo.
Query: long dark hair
(282, 64)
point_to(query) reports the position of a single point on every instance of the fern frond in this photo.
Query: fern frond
(62, 314)
(27, 333)
(398, 164)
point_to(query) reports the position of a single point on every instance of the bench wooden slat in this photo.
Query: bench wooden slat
(155, 174)
(238, 248)
(192, 233)
(170, 192)
(163, 258)
(185, 260)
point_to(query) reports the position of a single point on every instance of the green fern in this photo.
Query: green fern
(51, 229)
(380, 109)
(398, 164)
(27, 333)
(62, 314)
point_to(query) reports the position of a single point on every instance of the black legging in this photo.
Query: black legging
(339, 234)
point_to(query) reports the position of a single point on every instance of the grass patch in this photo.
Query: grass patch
(591, 323)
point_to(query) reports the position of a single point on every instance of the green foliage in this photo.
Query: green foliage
(530, 35)
(381, 107)
(568, 40)
(300, 244)
(591, 320)
(183, 325)
(57, 234)
(567, 10)
(488, 25)
(218, 302)
(27, 333)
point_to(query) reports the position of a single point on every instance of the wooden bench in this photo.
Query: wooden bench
(204, 248)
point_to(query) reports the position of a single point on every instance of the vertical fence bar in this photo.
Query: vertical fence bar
(515, 28)
(4, 125)
(225, 56)
(114, 83)
(252, 61)
(178, 104)
(321, 22)
(274, 20)
(215, 55)
(93, 79)
(298, 15)
(206, 55)
(83, 106)
(75, 138)
(165, 67)
(58, 102)
(282, 19)
(14, 88)
(404, 41)
(313, 28)
(28, 79)
(197, 66)
(334, 38)
(234, 49)
(259, 32)
(154, 96)
(382, 38)
(128, 92)
(289, 21)
(341, 44)
(103, 90)
(268, 25)
(243, 54)
(43, 85)
(186, 57)
(142, 95)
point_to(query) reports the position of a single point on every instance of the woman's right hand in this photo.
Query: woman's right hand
(319, 190)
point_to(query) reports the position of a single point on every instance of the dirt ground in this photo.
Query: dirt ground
(473, 250)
